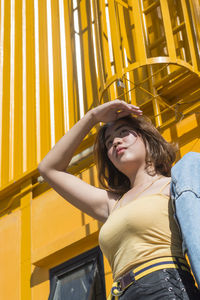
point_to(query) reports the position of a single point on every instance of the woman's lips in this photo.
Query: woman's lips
(121, 150)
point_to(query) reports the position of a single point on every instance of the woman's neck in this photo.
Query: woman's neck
(141, 178)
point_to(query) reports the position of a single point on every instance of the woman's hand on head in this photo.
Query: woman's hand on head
(113, 110)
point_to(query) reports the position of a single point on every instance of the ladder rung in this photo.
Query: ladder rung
(178, 28)
(156, 42)
(151, 7)
(122, 3)
(170, 76)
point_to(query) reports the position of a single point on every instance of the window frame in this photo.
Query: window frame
(77, 262)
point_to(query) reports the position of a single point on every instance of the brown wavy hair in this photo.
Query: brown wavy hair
(159, 153)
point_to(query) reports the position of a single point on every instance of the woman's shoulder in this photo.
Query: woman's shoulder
(164, 185)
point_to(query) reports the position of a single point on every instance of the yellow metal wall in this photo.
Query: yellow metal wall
(58, 59)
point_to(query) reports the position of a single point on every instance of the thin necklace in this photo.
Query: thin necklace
(148, 186)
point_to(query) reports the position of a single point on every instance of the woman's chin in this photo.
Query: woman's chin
(125, 166)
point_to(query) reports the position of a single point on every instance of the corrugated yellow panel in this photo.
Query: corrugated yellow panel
(73, 110)
(18, 94)
(90, 95)
(5, 143)
(30, 110)
(12, 81)
(57, 71)
(1, 81)
(44, 138)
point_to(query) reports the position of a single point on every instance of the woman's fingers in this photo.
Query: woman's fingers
(135, 107)
(130, 108)
(124, 113)
(122, 105)
(113, 110)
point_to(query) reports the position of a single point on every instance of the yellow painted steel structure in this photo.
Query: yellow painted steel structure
(59, 59)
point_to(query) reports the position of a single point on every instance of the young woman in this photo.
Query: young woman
(139, 236)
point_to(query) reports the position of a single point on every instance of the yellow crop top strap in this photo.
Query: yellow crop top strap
(160, 192)
(164, 186)
(115, 204)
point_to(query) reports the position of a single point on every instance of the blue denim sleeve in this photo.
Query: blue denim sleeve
(185, 195)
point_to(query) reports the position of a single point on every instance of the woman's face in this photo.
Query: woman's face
(125, 148)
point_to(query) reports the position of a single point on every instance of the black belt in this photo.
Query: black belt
(130, 277)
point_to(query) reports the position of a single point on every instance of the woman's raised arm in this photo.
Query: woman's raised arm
(94, 201)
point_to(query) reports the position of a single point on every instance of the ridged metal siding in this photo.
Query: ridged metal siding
(43, 91)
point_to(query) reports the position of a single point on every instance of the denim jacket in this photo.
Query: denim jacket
(185, 195)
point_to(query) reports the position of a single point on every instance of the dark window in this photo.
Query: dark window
(81, 278)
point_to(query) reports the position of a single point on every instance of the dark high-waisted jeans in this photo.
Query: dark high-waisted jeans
(163, 284)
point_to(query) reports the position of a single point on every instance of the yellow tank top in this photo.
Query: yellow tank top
(140, 230)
